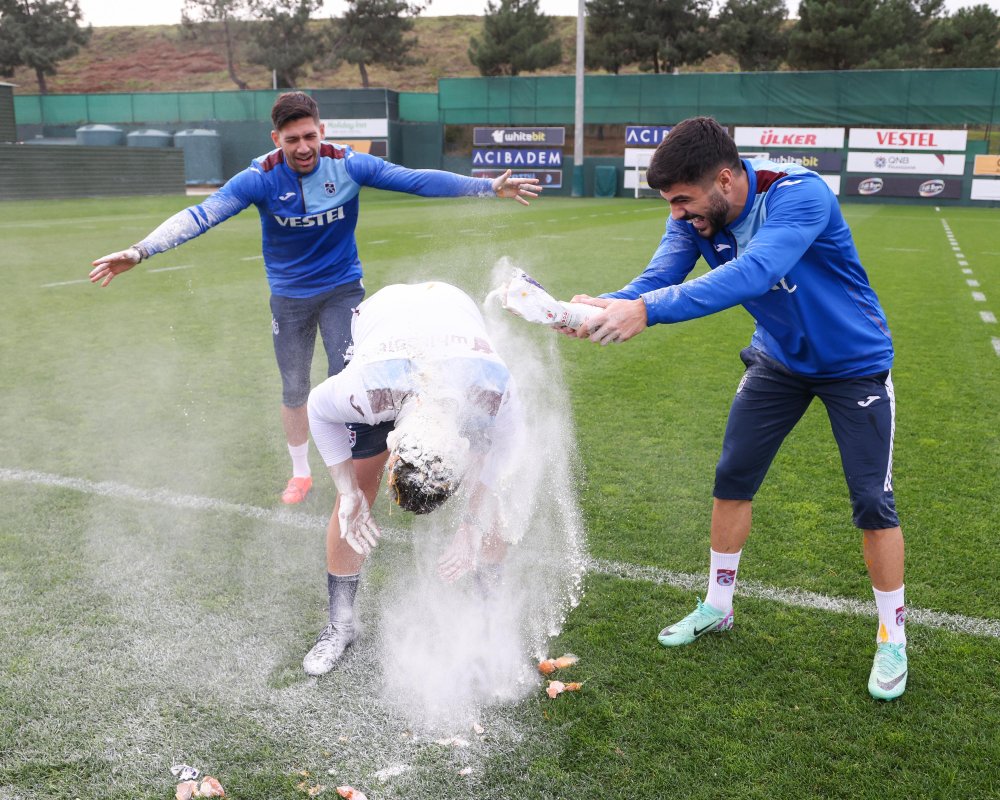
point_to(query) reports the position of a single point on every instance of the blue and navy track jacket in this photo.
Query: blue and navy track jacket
(790, 261)
(308, 221)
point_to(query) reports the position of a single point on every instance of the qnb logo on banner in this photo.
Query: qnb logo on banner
(906, 139)
(518, 137)
(766, 138)
(514, 158)
(912, 163)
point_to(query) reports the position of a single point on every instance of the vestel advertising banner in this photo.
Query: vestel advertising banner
(906, 139)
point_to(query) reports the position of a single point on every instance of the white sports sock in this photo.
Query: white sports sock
(891, 616)
(300, 460)
(722, 579)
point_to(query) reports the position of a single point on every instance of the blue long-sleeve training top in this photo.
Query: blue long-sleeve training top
(308, 221)
(789, 259)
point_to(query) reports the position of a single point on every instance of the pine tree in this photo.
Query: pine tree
(38, 34)
(285, 42)
(373, 32)
(516, 38)
(753, 32)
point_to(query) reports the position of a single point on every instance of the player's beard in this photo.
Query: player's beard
(718, 212)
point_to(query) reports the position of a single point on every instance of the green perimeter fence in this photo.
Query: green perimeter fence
(417, 138)
(868, 97)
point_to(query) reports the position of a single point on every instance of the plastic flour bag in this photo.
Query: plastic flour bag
(526, 298)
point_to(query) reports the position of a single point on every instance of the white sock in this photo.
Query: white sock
(891, 616)
(722, 579)
(300, 460)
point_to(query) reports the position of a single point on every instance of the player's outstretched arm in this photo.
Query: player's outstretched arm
(518, 188)
(106, 267)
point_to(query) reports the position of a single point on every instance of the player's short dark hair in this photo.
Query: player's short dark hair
(694, 150)
(291, 106)
(415, 490)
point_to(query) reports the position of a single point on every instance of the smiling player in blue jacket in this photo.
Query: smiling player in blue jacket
(306, 191)
(777, 244)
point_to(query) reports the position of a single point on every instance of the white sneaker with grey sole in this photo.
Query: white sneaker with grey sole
(334, 639)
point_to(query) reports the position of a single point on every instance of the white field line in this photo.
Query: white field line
(171, 269)
(799, 598)
(65, 283)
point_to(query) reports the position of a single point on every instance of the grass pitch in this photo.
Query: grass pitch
(137, 631)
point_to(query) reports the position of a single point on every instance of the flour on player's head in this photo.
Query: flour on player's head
(427, 455)
(694, 151)
(290, 106)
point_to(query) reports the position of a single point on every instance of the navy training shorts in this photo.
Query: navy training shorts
(294, 322)
(770, 400)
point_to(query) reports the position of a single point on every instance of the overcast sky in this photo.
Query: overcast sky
(168, 12)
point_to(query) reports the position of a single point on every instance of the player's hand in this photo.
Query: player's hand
(357, 527)
(460, 557)
(106, 267)
(518, 188)
(619, 322)
(600, 302)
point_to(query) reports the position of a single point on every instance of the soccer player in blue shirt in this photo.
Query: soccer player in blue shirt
(776, 243)
(306, 191)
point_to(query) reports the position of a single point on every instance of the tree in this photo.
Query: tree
(372, 32)
(516, 38)
(967, 39)
(753, 32)
(658, 35)
(831, 35)
(861, 34)
(197, 15)
(609, 42)
(902, 27)
(38, 34)
(283, 41)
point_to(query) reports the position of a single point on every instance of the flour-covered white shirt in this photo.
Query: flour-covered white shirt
(428, 340)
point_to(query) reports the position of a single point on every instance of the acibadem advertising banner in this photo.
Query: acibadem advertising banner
(906, 139)
(894, 186)
(758, 139)
(519, 157)
(912, 163)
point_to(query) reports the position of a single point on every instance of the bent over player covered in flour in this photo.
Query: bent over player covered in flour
(424, 374)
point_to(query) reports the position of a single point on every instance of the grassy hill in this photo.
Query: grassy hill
(168, 58)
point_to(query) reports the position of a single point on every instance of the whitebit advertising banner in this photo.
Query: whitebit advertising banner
(912, 163)
(518, 137)
(774, 138)
(906, 139)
